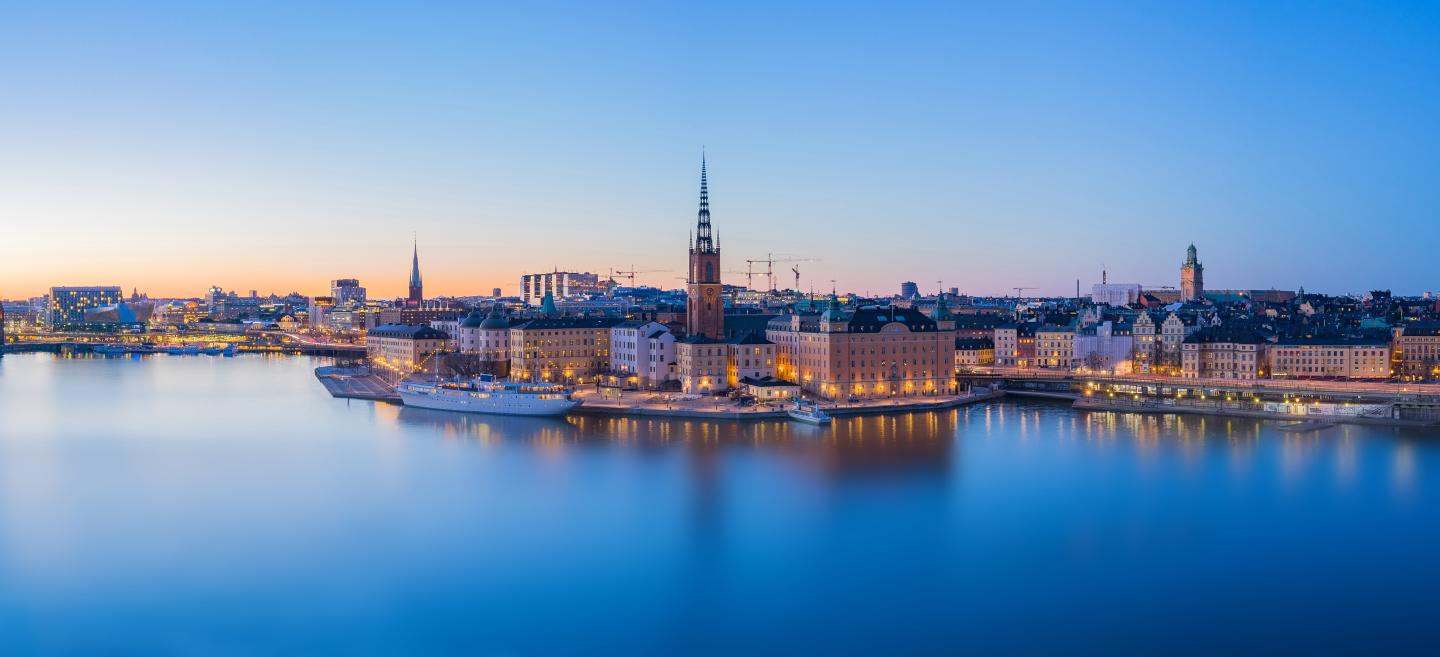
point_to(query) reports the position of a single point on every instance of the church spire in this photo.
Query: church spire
(416, 285)
(703, 241)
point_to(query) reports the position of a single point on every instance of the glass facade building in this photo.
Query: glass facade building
(68, 305)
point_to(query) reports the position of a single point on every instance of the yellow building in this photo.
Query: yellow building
(1330, 358)
(874, 352)
(1417, 351)
(564, 349)
(1055, 347)
(972, 352)
(701, 364)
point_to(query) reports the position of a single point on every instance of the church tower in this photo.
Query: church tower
(417, 288)
(1192, 277)
(704, 309)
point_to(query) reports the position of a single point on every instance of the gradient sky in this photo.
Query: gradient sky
(172, 146)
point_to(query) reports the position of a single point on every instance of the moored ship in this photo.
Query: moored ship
(484, 394)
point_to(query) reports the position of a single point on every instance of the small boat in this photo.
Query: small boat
(228, 351)
(483, 394)
(212, 351)
(182, 350)
(808, 412)
(111, 349)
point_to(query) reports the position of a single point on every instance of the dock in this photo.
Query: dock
(356, 383)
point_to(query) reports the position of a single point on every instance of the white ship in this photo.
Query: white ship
(808, 412)
(486, 395)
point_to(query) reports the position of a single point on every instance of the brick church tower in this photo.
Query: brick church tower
(704, 309)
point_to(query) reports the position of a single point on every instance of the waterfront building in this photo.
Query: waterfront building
(643, 350)
(1106, 346)
(1223, 352)
(1054, 346)
(701, 364)
(1015, 345)
(751, 358)
(1330, 358)
(398, 350)
(68, 305)
(877, 351)
(1417, 350)
(417, 286)
(560, 285)
(973, 352)
(347, 292)
(704, 308)
(1192, 277)
(564, 349)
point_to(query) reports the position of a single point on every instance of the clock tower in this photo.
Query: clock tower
(704, 309)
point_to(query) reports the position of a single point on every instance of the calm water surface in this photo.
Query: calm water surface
(199, 505)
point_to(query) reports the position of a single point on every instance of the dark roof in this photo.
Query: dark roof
(1422, 328)
(870, 319)
(978, 321)
(752, 338)
(768, 382)
(571, 323)
(971, 344)
(1226, 334)
(408, 331)
(697, 338)
(1337, 341)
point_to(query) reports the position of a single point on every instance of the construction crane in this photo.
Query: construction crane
(1020, 290)
(769, 263)
(630, 274)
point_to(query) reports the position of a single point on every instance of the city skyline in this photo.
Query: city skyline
(174, 148)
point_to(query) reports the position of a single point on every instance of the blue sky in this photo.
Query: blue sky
(278, 145)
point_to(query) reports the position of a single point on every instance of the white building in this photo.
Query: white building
(644, 349)
(1104, 347)
(1115, 294)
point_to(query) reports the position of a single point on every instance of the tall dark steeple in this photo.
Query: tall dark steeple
(704, 309)
(703, 240)
(417, 288)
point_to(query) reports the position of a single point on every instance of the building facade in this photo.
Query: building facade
(1055, 347)
(1330, 358)
(701, 364)
(644, 351)
(874, 352)
(561, 286)
(1417, 351)
(973, 352)
(69, 304)
(564, 349)
(398, 350)
(1223, 353)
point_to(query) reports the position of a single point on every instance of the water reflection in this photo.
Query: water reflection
(141, 495)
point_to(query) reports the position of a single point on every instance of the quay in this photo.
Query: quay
(1328, 401)
(355, 383)
(718, 408)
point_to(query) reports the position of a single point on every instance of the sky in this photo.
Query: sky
(277, 145)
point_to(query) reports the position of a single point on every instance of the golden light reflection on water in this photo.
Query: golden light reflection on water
(933, 440)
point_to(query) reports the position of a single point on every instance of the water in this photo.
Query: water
(200, 505)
